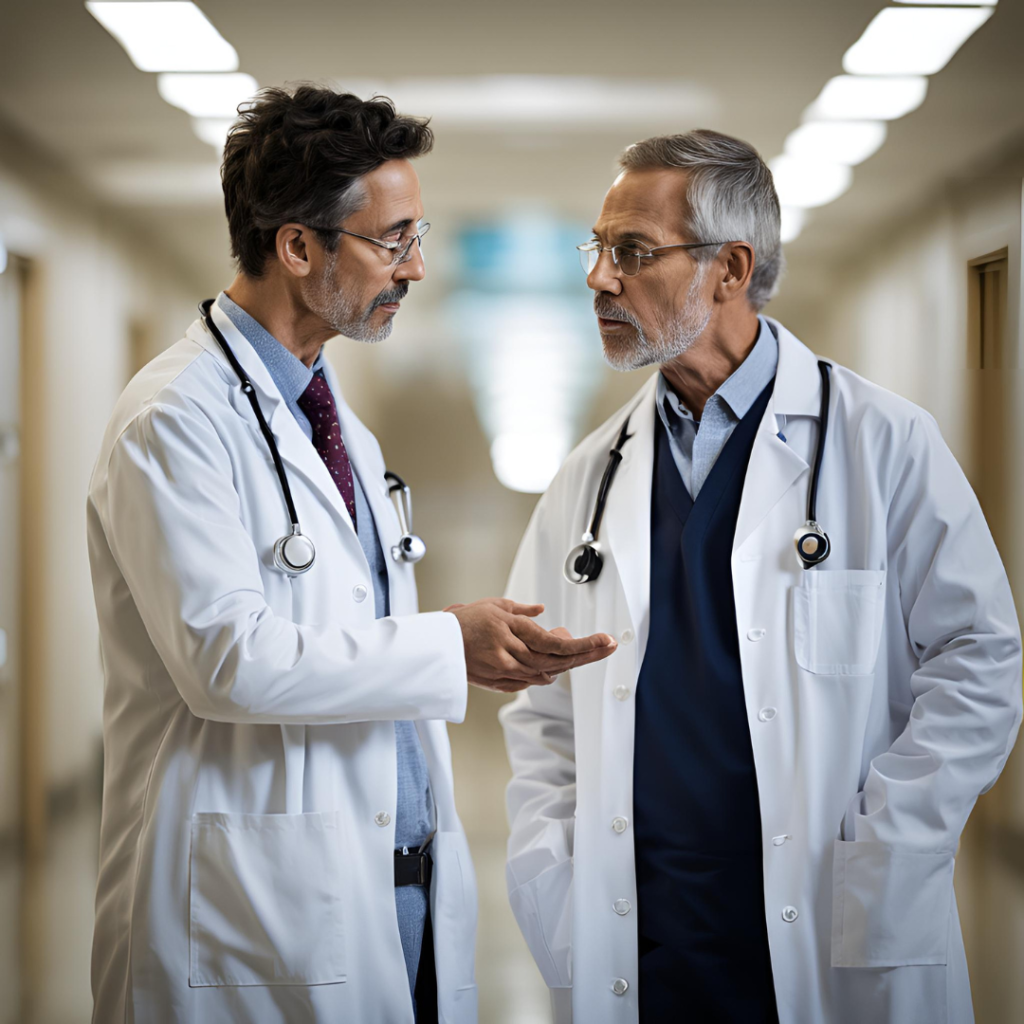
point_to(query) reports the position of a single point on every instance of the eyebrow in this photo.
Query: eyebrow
(397, 226)
(631, 236)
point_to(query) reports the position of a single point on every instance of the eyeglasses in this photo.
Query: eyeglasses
(401, 250)
(628, 256)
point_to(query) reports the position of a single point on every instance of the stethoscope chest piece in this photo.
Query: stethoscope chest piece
(295, 553)
(812, 545)
(584, 563)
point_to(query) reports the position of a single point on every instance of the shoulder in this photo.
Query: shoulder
(186, 383)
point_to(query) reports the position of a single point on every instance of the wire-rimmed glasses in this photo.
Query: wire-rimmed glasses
(628, 256)
(401, 250)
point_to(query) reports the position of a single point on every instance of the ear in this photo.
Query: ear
(292, 243)
(734, 276)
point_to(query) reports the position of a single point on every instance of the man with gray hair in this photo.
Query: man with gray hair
(750, 812)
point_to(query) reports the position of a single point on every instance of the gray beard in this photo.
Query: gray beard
(335, 308)
(673, 340)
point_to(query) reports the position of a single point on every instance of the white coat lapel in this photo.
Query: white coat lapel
(627, 520)
(297, 452)
(774, 467)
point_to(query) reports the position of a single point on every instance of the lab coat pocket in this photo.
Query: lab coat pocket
(890, 908)
(265, 900)
(837, 620)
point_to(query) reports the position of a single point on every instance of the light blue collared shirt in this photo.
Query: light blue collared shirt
(414, 813)
(696, 445)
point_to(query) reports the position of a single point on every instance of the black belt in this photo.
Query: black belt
(413, 868)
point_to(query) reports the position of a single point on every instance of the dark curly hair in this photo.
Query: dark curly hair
(298, 156)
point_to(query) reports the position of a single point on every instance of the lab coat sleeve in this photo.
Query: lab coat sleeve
(893, 874)
(173, 523)
(541, 797)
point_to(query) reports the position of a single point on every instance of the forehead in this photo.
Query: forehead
(393, 195)
(651, 202)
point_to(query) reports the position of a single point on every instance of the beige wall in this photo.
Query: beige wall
(89, 280)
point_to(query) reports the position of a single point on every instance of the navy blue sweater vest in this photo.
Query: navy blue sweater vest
(700, 892)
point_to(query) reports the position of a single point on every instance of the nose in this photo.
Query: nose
(605, 276)
(413, 269)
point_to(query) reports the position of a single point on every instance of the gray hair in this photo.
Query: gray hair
(730, 195)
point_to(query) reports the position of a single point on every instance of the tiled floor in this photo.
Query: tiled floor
(46, 912)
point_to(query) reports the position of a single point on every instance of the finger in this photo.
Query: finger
(452, 607)
(588, 659)
(514, 607)
(543, 642)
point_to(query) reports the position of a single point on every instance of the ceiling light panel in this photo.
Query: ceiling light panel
(792, 223)
(849, 98)
(840, 142)
(809, 183)
(913, 40)
(207, 95)
(542, 100)
(212, 130)
(951, 3)
(173, 36)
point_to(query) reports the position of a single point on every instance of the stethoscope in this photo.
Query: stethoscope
(585, 561)
(295, 553)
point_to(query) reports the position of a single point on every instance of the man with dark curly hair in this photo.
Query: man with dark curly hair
(279, 838)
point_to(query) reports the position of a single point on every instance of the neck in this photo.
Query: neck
(279, 310)
(711, 360)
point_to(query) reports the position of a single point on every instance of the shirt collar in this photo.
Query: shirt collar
(746, 382)
(289, 373)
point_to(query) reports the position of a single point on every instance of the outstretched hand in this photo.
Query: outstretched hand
(507, 651)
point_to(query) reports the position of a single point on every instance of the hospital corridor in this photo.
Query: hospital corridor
(868, 157)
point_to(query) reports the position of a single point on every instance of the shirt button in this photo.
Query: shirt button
(627, 636)
(619, 825)
(359, 592)
(619, 986)
(382, 818)
(790, 914)
(767, 714)
(622, 692)
(622, 907)
(756, 634)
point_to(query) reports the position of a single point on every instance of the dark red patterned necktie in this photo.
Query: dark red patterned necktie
(317, 403)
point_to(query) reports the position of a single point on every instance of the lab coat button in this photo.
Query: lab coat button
(359, 592)
(621, 692)
(790, 914)
(627, 636)
(622, 907)
(382, 818)
(619, 825)
(766, 714)
(756, 634)
(619, 986)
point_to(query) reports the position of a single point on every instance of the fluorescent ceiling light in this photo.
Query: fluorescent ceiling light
(807, 183)
(157, 183)
(913, 40)
(849, 98)
(207, 95)
(541, 100)
(527, 460)
(840, 142)
(954, 3)
(212, 130)
(160, 36)
(792, 222)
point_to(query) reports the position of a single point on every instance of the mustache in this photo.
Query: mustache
(395, 294)
(608, 310)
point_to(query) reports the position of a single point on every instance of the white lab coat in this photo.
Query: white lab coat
(246, 861)
(883, 694)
